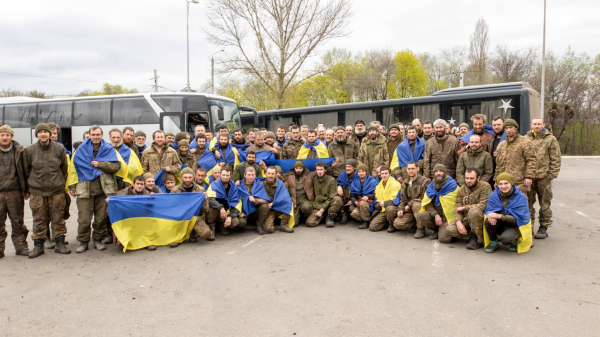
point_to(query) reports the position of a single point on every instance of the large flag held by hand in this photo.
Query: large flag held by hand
(80, 167)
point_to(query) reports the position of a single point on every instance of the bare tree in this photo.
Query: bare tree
(378, 70)
(478, 53)
(272, 39)
(513, 65)
(453, 60)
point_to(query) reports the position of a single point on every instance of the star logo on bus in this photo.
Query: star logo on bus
(506, 105)
(452, 121)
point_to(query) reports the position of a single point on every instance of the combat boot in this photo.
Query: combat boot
(108, 240)
(222, 230)
(193, 236)
(99, 245)
(473, 244)
(541, 233)
(1, 255)
(363, 225)
(259, 230)
(434, 235)
(49, 244)
(60, 246)
(391, 228)
(344, 219)
(38, 248)
(23, 252)
(174, 244)
(212, 233)
(330, 223)
(82, 248)
(420, 233)
(285, 227)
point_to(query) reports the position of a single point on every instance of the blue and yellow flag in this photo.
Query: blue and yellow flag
(139, 221)
(288, 164)
(134, 167)
(212, 143)
(208, 162)
(404, 154)
(80, 167)
(258, 191)
(368, 187)
(319, 148)
(391, 192)
(343, 180)
(517, 207)
(281, 144)
(241, 147)
(217, 190)
(283, 203)
(230, 157)
(446, 197)
(260, 155)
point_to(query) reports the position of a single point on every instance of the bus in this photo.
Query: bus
(517, 100)
(170, 112)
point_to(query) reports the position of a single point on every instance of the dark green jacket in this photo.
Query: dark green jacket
(480, 159)
(325, 191)
(45, 168)
(342, 151)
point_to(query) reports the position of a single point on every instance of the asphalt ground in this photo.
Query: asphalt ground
(320, 282)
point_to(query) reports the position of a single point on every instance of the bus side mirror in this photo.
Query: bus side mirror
(220, 114)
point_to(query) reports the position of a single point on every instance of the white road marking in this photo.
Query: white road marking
(587, 217)
(251, 242)
(435, 255)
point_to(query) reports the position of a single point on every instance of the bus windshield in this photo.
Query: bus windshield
(231, 114)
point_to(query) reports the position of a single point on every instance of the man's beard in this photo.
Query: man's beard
(477, 132)
(373, 137)
(440, 134)
(223, 146)
(343, 139)
(116, 145)
(360, 132)
(250, 162)
(298, 174)
(439, 180)
(140, 144)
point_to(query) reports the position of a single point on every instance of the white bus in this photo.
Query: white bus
(172, 112)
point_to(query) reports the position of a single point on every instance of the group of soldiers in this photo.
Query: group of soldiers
(397, 178)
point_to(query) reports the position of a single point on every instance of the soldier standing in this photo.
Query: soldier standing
(129, 140)
(293, 145)
(516, 157)
(441, 150)
(342, 149)
(474, 157)
(373, 152)
(159, 155)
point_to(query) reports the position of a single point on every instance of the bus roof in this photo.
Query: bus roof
(18, 99)
(21, 99)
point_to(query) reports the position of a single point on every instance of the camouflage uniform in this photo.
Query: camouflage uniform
(361, 212)
(416, 190)
(392, 145)
(325, 191)
(153, 161)
(373, 154)
(441, 152)
(479, 159)
(487, 139)
(213, 216)
(269, 225)
(262, 209)
(256, 148)
(240, 170)
(12, 187)
(516, 156)
(547, 151)
(200, 228)
(130, 191)
(426, 138)
(302, 193)
(291, 148)
(189, 159)
(475, 201)
(342, 151)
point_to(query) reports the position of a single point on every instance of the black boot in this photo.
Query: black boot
(473, 244)
(344, 219)
(60, 246)
(363, 225)
(391, 228)
(330, 223)
(420, 233)
(38, 248)
(541, 233)
(434, 235)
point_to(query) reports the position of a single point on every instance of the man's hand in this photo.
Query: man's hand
(227, 222)
(274, 151)
(349, 203)
(167, 168)
(94, 163)
(26, 196)
(365, 198)
(381, 203)
(319, 213)
(400, 180)
(262, 165)
(340, 191)
(406, 208)
(438, 220)
(223, 213)
(193, 151)
(237, 183)
(335, 161)
(400, 214)
(528, 182)
(70, 192)
(222, 164)
(492, 221)
(460, 209)
(493, 215)
(461, 228)
(251, 198)
(270, 205)
(218, 154)
(242, 215)
(151, 193)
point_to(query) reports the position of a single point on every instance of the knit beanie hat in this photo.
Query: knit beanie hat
(167, 134)
(269, 135)
(148, 175)
(42, 127)
(362, 167)
(352, 162)
(299, 163)
(216, 169)
(395, 126)
(463, 124)
(183, 142)
(505, 176)
(8, 129)
(510, 122)
(187, 170)
(440, 167)
(179, 136)
(139, 133)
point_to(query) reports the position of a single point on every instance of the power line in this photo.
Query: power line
(69, 79)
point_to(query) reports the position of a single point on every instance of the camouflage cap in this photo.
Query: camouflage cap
(7, 129)
(187, 170)
(505, 176)
(510, 122)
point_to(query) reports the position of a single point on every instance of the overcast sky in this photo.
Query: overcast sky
(122, 41)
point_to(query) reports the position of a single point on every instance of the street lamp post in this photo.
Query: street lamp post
(188, 42)
(212, 70)
(543, 89)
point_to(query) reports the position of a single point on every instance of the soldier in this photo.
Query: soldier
(361, 191)
(270, 141)
(373, 152)
(329, 135)
(140, 142)
(280, 133)
(300, 187)
(240, 169)
(169, 138)
(185, 156)
(223, 199)
(341, 202)
(417, 124)
(254, 191)
(169, 183)
(313, 148)
(13, 192)
(198, 130)
(159, 155)
(382, 131)
(471, 202)
(474, 157)
(463, 129)
(224, 152)
(271, 184)
(137, 188)
(441, 150)
(393, 141)
(238, 138)
(516, 157)
(349, 131)
(486, 137)
(91, 194)
(259, 144)
(251, 136)
(304, 131)
(412, 191)
(45, 167)
(427, 131)
(547, 152)
(325, 190)
(293, 145)
(342, 149)
(200, 177)
(360, 132)
(188, 185)
(115, 137)
(387, 198)
(201, 142)
(321, 134)
(55, 129)
(498, 128)
(436, 213)
(411, 149)
(129, 140)
(150, 184)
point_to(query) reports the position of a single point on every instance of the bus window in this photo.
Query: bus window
(20, 115)
(427, 112)
(2, 114)
(231, 116)
(169, 104)
(196, 118)
(92, 112)
(133, 111)
(59, 113)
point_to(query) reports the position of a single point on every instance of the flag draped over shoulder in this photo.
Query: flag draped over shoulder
(260, 155)
(488, 128)
(288, 164)
(403, 154)
(159, 180)
(517, 207)
(208, 162)
(143, 149)
(283, 203)
(343, 180)
(446, 197)
(240, 147)
(368, 187)
(217, 190)
(319, 148)
(134, 167)
(212, 143)
(391, 191)
(281, 144)
(81, 168)
(258, 191)
(230, 157)
(139, 221)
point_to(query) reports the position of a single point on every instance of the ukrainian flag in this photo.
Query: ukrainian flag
(517, 207)
(446, 197)
(81, 169)
(319, 148)
(207, 162)
(283, 203)
(288, 164)
(217, 190)
(139, 221)
(404, 154)
(134, 167)
(391, 191)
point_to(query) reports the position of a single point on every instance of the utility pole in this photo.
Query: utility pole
(212, 70)
(155, 78)
(543, 89)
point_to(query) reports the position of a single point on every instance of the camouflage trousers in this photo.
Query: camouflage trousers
(408, 219)
(383, 219)
(66, 216)
(302, 210)
(201, 228)
(12, 204)
(313, 220)
(473, 223)
(269, 226)
(425, 220)
(258, 217)
(46, 210)
(543, 189)
(92, 208)
(362, 212)
(213, 217)
(337, 204)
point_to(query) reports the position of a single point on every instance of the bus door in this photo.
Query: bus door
(193, 118)
(171, 122)
(183, 122)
